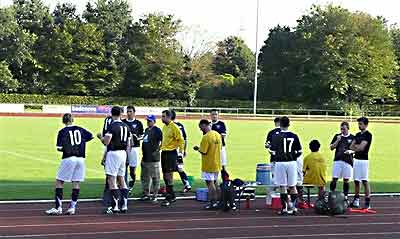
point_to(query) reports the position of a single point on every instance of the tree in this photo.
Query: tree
(7, 82)
(395, 34)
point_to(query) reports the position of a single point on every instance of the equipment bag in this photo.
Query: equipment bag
(336, 203)
(227, 195)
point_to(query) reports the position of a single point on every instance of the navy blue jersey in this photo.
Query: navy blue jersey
(268, 140)
(137, 131)
(343, 146)
(220, 127)
(151, 144)
(120, 136)
(182, 129)
(71, 140)
(285, 146)
(363, 136)
(107, 122)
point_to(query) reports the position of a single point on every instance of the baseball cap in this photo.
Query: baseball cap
(151, 118)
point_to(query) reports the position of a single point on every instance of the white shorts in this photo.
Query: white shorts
(300, 175)
(286, 173)
(209, 176)
(115, 163)
(342, 170)
(133, 157)
(360, 169)
(224, 160)
(72, 169)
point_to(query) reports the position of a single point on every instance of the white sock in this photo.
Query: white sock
(73, 204)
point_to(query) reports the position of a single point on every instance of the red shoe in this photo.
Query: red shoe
(302, 205)
(162, 191)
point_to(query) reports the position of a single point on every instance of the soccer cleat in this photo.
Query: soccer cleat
(355, 203)
(153, 199)
(283, 212)
(165, 203)
(145, 198)
(187, 188)
(71, 211)
(109, 211)
(124, 209)
(54, 212)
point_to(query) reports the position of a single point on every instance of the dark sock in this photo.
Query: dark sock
(133, 177)
(333, 185)
(115, 195)
(124, 195)
(284, 198)
(184, 178)
(170, 191)
(367, 202)
(58, 197)
(299, 193)
(346, 187)
(293, 198)
(75, 195)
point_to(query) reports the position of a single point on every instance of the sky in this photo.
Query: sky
(218, 19)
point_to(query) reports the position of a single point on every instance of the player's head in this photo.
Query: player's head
(116, 112)
(284, 122)
(130, 112)
(151, 120)
(204, 125)
(166, 116)
(314, 145)
(173, 115)
(67, 119)
(363, 123)
(344, 127)
(277, 121)
(214, 115)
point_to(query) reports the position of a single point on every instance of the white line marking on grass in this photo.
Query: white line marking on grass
(174, 220)
(206, 228)
(313, 235)
(55, 162)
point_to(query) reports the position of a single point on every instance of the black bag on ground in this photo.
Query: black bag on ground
(336, 203)
(227, 195)
(321, 205)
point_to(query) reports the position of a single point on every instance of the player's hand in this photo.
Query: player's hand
(196, 148)
(103, 162)
(99, 135)
(184, 154)
(349, 152)
(338, 138)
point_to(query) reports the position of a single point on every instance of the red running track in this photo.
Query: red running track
(187, 219)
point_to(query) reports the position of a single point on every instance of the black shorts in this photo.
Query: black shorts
(169, 161)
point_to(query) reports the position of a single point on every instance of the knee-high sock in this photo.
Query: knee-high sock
(74, 197)
(58, 197)
(184, 178)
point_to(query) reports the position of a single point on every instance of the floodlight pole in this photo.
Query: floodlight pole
(256, 61)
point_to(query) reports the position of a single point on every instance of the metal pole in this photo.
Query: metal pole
(256, 61)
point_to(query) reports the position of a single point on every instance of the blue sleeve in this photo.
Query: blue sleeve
(87, 135)
(183, 133)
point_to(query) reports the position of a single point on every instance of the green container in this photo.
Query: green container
(191, 179)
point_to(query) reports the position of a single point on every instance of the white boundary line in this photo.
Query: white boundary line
(203, 229)
(313, 235)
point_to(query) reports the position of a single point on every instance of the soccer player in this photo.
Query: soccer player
(210, 150)
(117, 139)
(286, 149)
(220, 127)
(361, 146)
(276, 130)
(136, 128)
(172, 145)
(315, 168)
(71, 141)
(150, 174)
(343, 161)
(181, 171)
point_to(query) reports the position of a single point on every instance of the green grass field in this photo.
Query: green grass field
(29, 160)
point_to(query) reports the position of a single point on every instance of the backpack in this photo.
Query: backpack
(227, 195)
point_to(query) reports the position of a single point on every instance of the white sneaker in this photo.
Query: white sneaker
(124, 209)
(356, 203)
(54, 212)
(71, 211)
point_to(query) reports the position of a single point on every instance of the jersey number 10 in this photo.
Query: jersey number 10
(285, 148)
(75, 137)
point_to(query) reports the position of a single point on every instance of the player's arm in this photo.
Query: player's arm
(140, 131)
(185, 139)
(223, 131)
(297, 147)
(179, 138)
(203, 149)
(59, 142)
(87, 135)
(335, 142)
(358, 147)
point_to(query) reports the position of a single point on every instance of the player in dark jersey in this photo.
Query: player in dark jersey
(360, 147)
(343, 162)
(286, 149)
(117, 139)
(180, 169)
(220, 127)
(136, 128)
(71, 141)
(107, 197)
(276, 130)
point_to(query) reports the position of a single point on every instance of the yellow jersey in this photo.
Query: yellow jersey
(210, 149)
(171, 137)
(314, 168)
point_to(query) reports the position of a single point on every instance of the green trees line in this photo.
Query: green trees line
(332, 57)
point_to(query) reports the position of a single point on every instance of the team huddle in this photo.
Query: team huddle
(163, 150)
(122, 138)
(290, 172)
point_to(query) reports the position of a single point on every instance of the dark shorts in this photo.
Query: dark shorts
(169, 161)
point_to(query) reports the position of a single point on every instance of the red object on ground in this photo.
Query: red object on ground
(162, 190)
(247, 203)
(276, 203)
(362, 210)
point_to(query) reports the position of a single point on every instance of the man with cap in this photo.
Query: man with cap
(150, 174)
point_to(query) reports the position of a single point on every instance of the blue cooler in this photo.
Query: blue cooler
(264, 174)
(202, 194)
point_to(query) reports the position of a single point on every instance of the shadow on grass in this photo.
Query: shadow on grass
(93, 188)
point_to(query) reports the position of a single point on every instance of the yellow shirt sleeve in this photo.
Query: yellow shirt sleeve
(204, 145)
(179, 138)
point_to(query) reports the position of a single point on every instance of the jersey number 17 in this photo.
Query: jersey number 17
(287, 149)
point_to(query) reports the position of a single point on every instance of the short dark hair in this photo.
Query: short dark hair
(314, 145)
(345, 123)
(364, 120)
(277, 119)
(214, 110)
(116, 111)
(173, 115)
(67, 118)
(131, 107)
(168, 113)
(204, 122)
(284, 121)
